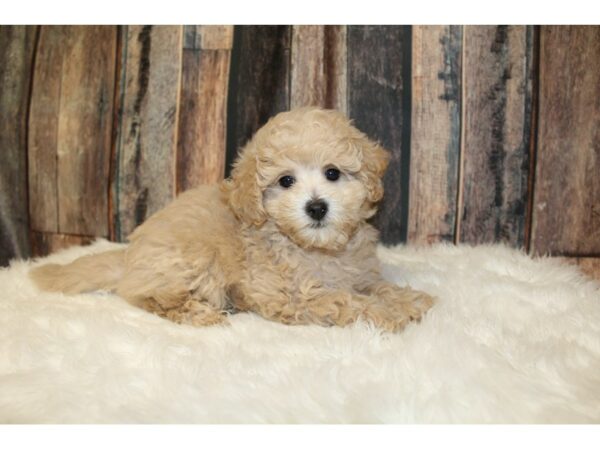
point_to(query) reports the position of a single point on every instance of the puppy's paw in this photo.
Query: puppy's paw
(416, 303)
(394, 307)
(197, 314)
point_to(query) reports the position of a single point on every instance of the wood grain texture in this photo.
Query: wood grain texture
(202, 118)
(42, 244)
(566, 213)
(192, 37)
(435, 133)
(216, 37)
(318, 66)
(43, 128)
(84, 129)
(259, 82)
(17, 45)
(70, 126)
(208, 37)
(379, 101)
(498, 77)
(589, 266)
(146, 147)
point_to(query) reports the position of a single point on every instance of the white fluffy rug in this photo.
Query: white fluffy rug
(510, 339)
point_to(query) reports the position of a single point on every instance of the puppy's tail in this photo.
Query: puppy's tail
(88, 273)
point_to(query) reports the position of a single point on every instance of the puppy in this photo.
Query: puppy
(285, 237)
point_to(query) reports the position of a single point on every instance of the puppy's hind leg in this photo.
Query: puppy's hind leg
(191, 293)
(87, 273)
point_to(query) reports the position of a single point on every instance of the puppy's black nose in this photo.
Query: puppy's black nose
(316, 209)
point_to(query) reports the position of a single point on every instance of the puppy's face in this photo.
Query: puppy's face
(316, 205)
(312, 174)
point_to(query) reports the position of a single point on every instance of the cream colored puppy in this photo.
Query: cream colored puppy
(286, 237)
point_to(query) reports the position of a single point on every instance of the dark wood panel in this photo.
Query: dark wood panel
(17, 44)
(84, 129)
(202, 121)
(497, 145)
(318, 66)
(145, 155)
(566, 213)
(379, 101)
(435, 134)
(259, 82)
(43, 244)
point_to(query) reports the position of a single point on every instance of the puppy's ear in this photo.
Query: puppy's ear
(375, 160)
(242, 192)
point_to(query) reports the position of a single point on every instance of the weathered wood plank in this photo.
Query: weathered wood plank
(379, 87)
(84, 129)
(566, 213)
(318, 66)
(216, 37)
(589, 266)
(192, 37)
(208, 37)
(43, 128)
(117, 120)
(202, 121)
(44, 244)
(435, 133)
(259, 82)
(498, 77)
(146, 147)
(17, 45)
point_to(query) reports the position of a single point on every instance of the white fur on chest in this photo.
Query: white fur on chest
(353, 267)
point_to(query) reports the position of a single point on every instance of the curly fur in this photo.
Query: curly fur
(249, 245)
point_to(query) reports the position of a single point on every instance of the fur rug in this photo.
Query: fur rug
(510, 339)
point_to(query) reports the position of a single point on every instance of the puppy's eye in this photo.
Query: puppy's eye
(286, 181)
(332, 174)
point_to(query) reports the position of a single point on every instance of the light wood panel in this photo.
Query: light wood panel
(318, 66)
(84, 129)
(70, 126)
(43, 128)
(202, 116)
(435, 133)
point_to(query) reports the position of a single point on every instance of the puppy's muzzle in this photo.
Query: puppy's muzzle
(316, 209)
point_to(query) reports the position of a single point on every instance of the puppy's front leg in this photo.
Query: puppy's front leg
(329, 308)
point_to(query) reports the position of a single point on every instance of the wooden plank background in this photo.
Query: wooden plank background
(379, 101)
(147, 135)
(435, 133)
(259, 84)
(70, 126)
(494, 130)
(567, 189)
(17, 45)
(203, 105)
(496, 147)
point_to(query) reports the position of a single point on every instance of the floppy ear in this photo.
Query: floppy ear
(242, 192)
(375, 160)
